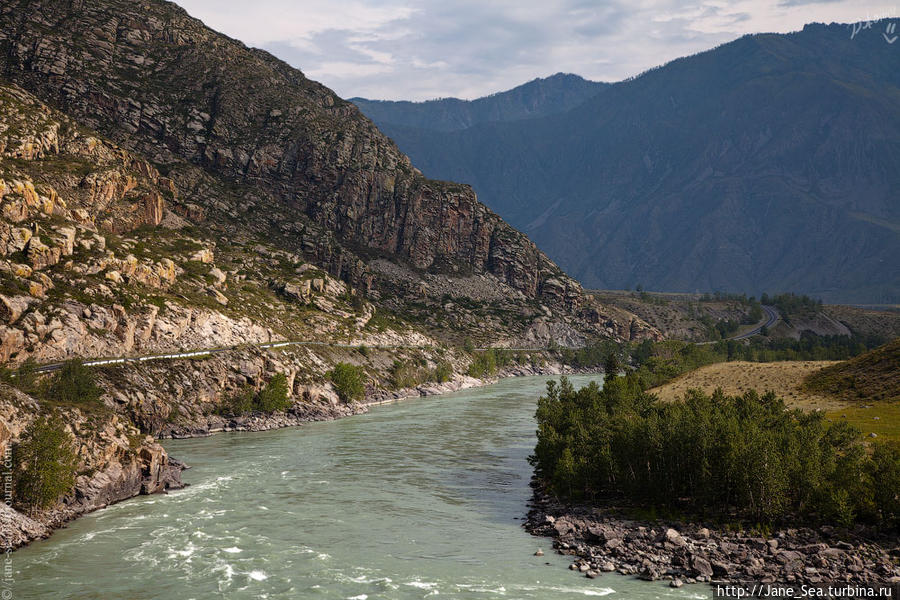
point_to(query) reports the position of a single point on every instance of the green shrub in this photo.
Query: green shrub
(25, 378)
(406, 374)
(484, 364)
(443, 372)
(349, 382)
(274, 396)
(45, 463)
(73, 384)
(238, 403)
(364, 350)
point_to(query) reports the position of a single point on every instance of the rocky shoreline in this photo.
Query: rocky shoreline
(302, 413)
(602, 541)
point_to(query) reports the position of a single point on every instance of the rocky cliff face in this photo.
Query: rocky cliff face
(115, 462)
(159, 81)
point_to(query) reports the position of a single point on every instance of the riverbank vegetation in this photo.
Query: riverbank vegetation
(44, 464)
(274, 396)
(730, 457)
(349, 382)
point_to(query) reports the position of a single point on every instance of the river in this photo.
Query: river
(417, 499)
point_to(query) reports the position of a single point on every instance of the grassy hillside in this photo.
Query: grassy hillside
(873, 376)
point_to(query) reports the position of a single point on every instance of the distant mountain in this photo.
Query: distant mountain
(770, 163)
(537, 98)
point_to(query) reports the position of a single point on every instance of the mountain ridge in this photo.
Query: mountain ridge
(705, 173)
(539, 97)
(232, 133)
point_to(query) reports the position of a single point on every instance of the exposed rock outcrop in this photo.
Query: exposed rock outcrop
(115, 462)
(253, 118)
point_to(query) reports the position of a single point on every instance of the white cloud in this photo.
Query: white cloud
(420, 49)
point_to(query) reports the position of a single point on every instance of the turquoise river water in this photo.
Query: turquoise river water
(421, 498)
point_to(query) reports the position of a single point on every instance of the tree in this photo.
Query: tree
(74, 384)
(45, 463)
(274, 396)
(612, 366)
(349, 382)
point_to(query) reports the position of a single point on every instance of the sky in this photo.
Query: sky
(425, 49)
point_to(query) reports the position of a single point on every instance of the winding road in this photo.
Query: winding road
(772, 317)
(100, 362)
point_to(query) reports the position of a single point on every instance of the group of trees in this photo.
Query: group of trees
(793, 304)
(45, 459)
(735, 457)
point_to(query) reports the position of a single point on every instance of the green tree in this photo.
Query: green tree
(44, 462)
(611, 365)
(74, 384)
(349, 382)
(274, 396)
(886, 479)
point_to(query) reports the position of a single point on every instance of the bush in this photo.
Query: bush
(443, 372)
(274, 396)
(484, 364)
(349, 382)
(25, 378)
(405, 374)
(73, 384)
(44, 464)
(239, 403)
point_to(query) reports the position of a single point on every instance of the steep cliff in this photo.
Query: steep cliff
(288, 152)
(114, 461)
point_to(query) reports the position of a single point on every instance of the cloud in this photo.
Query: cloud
(421, 49)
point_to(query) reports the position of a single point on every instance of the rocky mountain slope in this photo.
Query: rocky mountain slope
(768, 164)
(250, 139)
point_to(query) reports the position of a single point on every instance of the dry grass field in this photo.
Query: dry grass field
(783, 378)
(862, 391)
